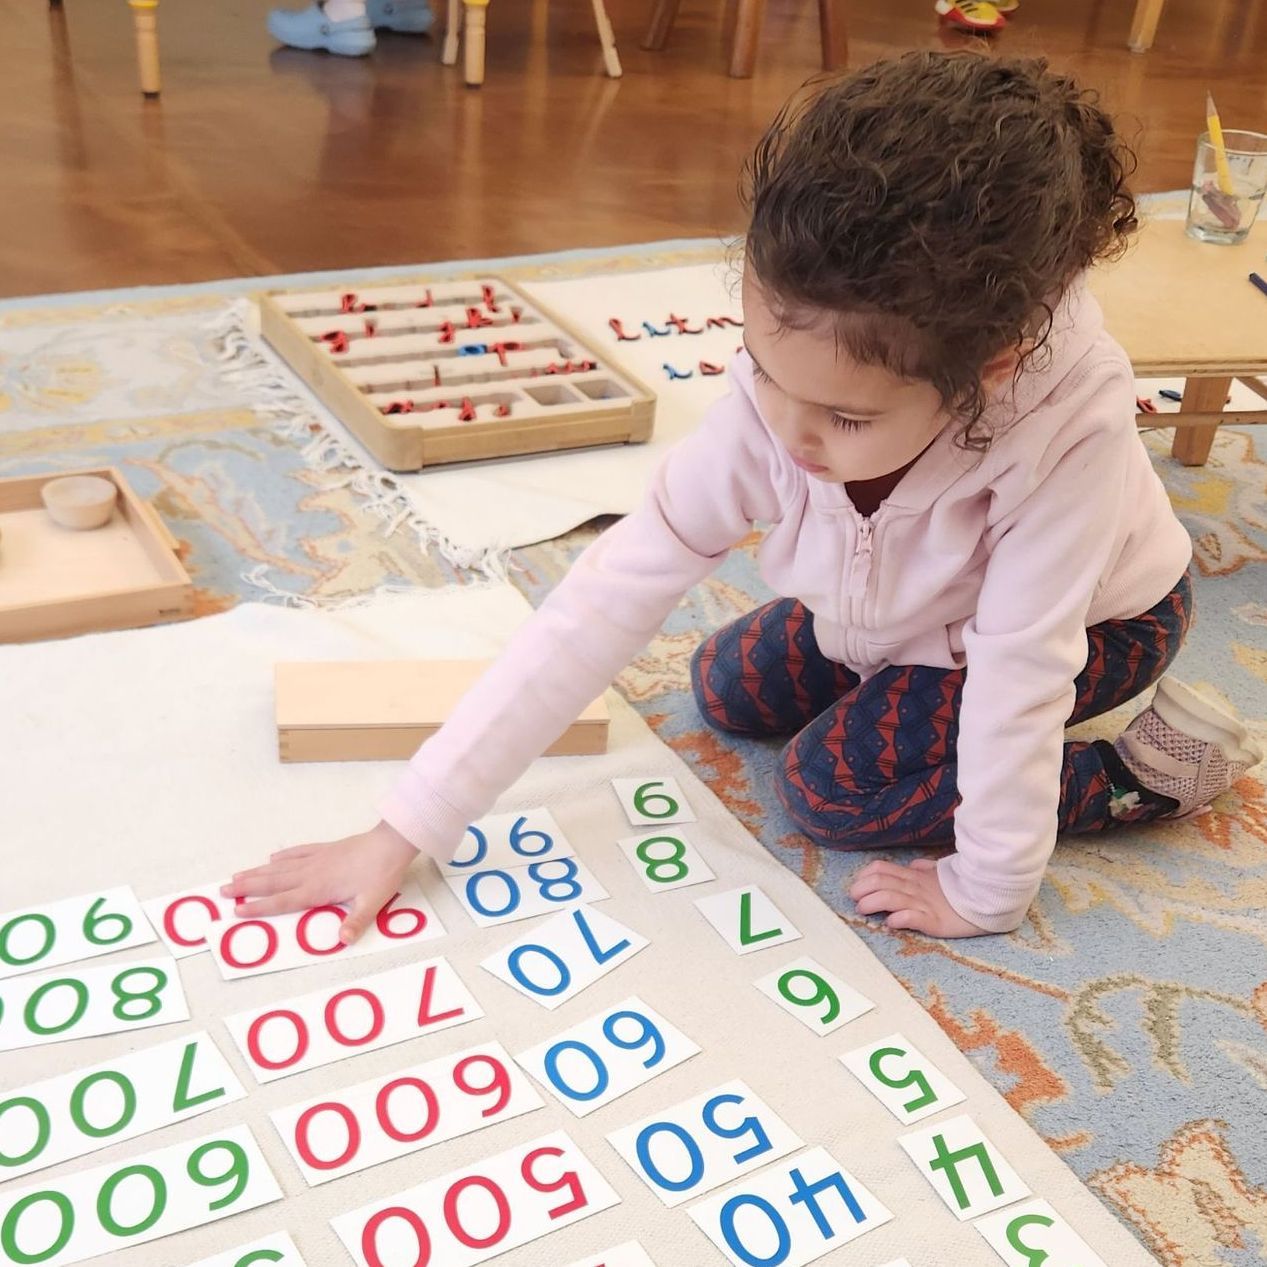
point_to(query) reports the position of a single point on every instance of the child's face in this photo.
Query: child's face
(839, 420)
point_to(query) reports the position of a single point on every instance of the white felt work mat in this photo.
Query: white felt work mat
(517, 501)
(149, 758)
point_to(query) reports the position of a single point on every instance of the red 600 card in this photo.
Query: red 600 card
(411, 1109)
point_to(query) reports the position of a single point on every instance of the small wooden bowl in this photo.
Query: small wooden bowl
(80, 502)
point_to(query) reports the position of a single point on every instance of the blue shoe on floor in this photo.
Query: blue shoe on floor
(410, 17)
(310, 29)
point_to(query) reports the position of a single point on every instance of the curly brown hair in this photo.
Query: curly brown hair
(937, 206)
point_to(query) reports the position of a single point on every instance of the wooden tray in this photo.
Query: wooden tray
(381, 710)
(397, 366)
(55, 581)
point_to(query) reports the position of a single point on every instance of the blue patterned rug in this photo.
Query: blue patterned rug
(1125, 1021)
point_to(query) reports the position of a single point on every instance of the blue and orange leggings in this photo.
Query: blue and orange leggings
(873, 763)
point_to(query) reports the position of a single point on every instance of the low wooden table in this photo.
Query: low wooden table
(1187, 309)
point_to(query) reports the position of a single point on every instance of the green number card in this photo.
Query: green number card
(137, 1092)
(747, 920)
(969, 1174)
(819, 999)
(1034, 1235)
(907, 1083)
(277, 1250)
(40, 937)
(83, 1002)
(108, 1209)
(666, 859)
(652, 802)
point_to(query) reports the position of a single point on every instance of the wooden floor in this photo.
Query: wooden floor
(263, 160)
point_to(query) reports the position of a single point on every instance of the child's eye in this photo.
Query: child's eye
(758, 372)
(849, 424)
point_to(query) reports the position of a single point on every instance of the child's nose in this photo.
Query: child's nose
(808, 441)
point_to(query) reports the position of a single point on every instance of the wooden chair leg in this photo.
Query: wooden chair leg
(1144, 25)
(662, 18)
(1200, 395)
(452, 31)
(743, 56)
(832, 29)
(145, 17)
(473, 40)
(607, 38)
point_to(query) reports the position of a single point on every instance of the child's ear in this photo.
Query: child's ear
(998, 370)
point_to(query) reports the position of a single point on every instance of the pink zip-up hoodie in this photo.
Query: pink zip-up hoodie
(999, 562)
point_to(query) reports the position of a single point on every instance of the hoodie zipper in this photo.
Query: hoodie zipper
(856, 589)
(860, 572)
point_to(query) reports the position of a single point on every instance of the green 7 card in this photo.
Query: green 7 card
(747, 920)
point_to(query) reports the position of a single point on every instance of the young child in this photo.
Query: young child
(974, 548)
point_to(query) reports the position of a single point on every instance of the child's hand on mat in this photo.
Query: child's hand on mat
(360, 872)
(912, 896)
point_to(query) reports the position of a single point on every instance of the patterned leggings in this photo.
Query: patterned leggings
(873, 763)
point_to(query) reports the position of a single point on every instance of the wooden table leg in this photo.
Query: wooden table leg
(831, 28)
(662, 18)
(743, 56)
(1144, 24)
(145, 17)
(1200, 395)
(476, 12)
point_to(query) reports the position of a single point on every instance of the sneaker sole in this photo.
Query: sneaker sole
(1178, 705)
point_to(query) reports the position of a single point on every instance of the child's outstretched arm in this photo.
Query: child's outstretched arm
(702, 501)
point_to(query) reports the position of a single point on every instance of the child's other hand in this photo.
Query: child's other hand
(361, 872)
(912, 896)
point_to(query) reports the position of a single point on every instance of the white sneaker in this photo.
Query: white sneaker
(410, 17)
(1187, 748)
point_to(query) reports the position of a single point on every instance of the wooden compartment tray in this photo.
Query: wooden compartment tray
(55, 581)
(381, 710)
(434, 372)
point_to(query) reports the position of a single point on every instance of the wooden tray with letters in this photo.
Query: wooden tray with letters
(454, 371)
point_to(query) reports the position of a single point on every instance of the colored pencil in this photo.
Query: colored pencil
(1220, 149)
